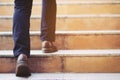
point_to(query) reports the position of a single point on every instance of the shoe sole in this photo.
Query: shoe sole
(22, 70)
(48, 50)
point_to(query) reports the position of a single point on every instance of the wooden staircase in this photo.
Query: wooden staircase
(87, 36)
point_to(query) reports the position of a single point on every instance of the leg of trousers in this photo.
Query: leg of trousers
(21, 24)
(48, 20)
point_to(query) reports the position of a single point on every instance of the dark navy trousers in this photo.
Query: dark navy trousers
(21, 24)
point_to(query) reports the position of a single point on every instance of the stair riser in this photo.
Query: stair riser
(100, 23)
(65, 64)
(70, 42)
(71, 9)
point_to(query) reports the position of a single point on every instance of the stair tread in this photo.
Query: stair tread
(37, 53)
(63, 76)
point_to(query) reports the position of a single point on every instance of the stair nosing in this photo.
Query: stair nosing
(81, 32)
(72, 16)
(63, 76)
(69, 53)
(65, 2)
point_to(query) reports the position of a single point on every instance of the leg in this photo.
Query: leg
(21, 24)
(48, 26)
(48, 21)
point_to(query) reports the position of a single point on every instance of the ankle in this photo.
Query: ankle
(22, 57)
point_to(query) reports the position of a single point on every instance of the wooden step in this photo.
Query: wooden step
(70, 40)
(82, 61)
(69, 8)
(63, 76)
(71, 22)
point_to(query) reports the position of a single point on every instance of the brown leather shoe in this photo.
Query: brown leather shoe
(48, 47)
(22, 68)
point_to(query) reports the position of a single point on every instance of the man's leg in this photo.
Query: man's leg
(48, 24)
(21, 24)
